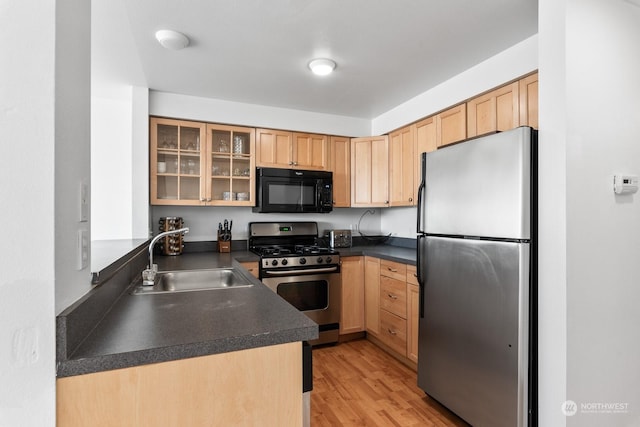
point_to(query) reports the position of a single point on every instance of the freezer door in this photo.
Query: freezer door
(473, 339)
(480, 187)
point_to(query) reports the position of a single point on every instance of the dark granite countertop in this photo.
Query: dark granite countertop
(141, 329)
(406, 255)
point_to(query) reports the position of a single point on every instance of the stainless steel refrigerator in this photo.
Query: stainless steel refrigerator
(476, 270)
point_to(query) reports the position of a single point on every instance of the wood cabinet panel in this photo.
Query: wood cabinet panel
(223, 389)
(352, 276)
(370, 172)
(340, 165)
(529, 101)
(413, 317)
(497, 110)
(372, 294)
(451, 125)
(412, 274)
(396, 270)
(401, 167)
(393, 332)
(273, 148)
(252, 267)
(393, 296)
(310, 151)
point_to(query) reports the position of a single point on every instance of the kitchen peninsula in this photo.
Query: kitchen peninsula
(191, 358)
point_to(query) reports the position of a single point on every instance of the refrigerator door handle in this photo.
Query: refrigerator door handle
(419, 257)
(421, 187)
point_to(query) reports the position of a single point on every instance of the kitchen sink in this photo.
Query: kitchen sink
(194, 280)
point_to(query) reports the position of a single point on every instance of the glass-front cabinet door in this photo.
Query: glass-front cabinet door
(230, 150)
(201, 164)
(176, 162)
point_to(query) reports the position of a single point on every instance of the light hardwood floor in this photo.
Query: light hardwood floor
(357, 384)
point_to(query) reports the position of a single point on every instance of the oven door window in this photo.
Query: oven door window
(290, 194)
(306, 296)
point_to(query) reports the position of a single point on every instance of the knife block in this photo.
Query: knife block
(224, 245)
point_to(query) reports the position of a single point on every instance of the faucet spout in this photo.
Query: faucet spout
(149, 275)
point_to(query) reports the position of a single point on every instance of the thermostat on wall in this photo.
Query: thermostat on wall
(625, 184)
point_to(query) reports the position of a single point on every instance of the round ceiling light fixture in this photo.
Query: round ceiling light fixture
(172, 39)
(322, 66)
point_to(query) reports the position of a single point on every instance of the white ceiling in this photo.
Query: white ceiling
(256, 51)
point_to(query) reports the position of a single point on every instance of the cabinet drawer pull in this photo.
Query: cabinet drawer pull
(392, 332)
(392, 296)
(393, 270)
(415, 274)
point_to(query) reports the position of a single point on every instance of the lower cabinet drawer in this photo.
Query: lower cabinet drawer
(393, 331)
(393, 296)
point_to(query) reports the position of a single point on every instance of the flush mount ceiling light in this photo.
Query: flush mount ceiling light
(322, 66)
(172, 39)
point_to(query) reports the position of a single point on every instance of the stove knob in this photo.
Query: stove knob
(302, 260)
(319, 260)
(274, 262)
(285, 262)
(328, 260)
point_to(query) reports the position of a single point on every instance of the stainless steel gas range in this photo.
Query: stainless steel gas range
(306, 275)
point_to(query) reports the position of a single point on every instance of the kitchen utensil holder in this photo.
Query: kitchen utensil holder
(224, 245)
(173, 243)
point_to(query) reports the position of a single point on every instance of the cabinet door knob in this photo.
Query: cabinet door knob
(411, 199)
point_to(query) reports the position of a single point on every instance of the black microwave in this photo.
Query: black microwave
(293, 191)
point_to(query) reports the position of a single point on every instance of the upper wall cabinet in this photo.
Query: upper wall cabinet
(177, 162)
(369, 172)
(529, 101)
(451, 125)
(340, 165)
(196, 164)
(401, 167)
(497, 110)
(281, 149)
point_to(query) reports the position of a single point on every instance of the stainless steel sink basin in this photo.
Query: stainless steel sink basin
(194, 280)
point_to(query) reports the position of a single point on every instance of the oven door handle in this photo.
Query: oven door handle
(305, 271)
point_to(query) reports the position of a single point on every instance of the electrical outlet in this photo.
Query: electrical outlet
(82, 250)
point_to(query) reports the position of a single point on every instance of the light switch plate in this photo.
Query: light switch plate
(84, 201)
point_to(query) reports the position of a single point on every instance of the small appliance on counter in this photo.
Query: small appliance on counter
(224, 236)
(173, 243)
(338, 238)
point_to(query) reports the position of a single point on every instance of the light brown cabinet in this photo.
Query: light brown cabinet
(497, 110)
(282, 149)
(340, 165)
(370, 172)
(451, 125)
(372, 294)
(413, 313)
(393, 306)
(353, 300)
(401, 167)
(177, 162)
(252, 267)
(220, 389)
(200, 164)
(529, 101)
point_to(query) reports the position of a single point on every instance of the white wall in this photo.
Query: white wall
(72, 152)
(44, 108)
(203, 221)
(219, 111)
(552, 221)
(603, 230)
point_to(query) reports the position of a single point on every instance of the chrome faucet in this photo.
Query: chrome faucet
(149, 275)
